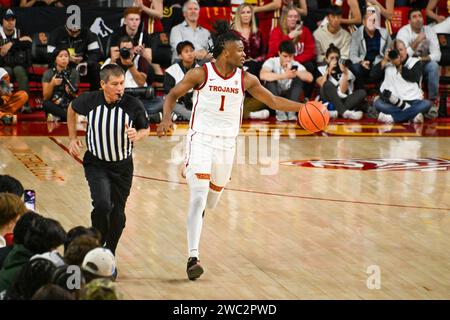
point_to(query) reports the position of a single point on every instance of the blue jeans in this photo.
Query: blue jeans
(431, 76)
(154, 105)
(399, 115)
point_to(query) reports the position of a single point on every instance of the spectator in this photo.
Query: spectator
(140, 38)
(83, 47)
(15, 51)
(267, 15)
(190, 30)
(136, 68)
(100, 289)
(367, 48)
(441, 16)
(284, 77)
(56, 91)
(44, 235)
(291, 28)
(10, 102)
(11, 185)
(52, 292)
(244, 24)
(175, 73)
(77, 231)
(20, 229)
(11, 208)
(99, 263)
(152, 13)
(63, 277)
(336, 83)
(78, 249)
(332, 33)
(33, 275)
(421, 41)
(401, 97)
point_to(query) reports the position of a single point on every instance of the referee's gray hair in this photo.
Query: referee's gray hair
(188, 2)
(111, 70)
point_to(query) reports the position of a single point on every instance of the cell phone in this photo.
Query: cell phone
(294, 67)
(29, 198)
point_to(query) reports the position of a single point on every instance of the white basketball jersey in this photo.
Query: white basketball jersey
(218, 103)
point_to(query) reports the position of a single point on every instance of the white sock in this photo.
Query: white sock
(197, 201)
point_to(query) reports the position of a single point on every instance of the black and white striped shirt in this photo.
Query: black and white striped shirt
(106, 138)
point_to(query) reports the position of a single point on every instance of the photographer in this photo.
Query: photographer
(136, 68)
(59, 86)
(401, 97)
(336, 86)
(285, 77)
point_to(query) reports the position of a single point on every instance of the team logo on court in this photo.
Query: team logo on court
(422, 164)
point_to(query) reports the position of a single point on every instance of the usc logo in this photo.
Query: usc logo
(167, 12)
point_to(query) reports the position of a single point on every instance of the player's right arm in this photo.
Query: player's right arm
(193, 78)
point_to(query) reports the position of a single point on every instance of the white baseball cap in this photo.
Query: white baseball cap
(100, 262)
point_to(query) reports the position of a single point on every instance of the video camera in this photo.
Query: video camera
(65, 76)
(142, 92)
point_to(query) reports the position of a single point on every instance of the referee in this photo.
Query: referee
(115, 121)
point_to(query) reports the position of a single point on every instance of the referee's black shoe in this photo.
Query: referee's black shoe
(194, 269)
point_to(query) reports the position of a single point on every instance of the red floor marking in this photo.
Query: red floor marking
(275, 194)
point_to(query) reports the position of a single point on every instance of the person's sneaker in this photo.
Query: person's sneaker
(194, 269)
(433, 112)
(333, 114)
(259, 115)
(281, 116)
(354, 115)
(292, 116)
(386, 118)
(9, 120)
(52, 118)
(418, 118)
(174, 117)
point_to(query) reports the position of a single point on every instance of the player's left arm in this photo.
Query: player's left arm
(255, 88)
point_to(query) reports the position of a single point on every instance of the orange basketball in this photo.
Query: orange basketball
(314, 116)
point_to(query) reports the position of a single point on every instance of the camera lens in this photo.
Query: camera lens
(393, 54)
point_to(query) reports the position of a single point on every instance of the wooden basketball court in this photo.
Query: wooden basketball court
(368, 219)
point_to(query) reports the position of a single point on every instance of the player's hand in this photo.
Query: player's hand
(74, 147)
(131, 133)
(164, 127)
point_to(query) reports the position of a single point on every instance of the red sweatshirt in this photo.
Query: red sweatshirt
(305, 49)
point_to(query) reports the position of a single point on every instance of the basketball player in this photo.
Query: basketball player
(216, 118)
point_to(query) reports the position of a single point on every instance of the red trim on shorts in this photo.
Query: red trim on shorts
(217, 72)
(212, 186)
(206, 77)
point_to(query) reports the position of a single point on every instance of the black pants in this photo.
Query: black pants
(54, 109)
(354, 101)
(110, 184)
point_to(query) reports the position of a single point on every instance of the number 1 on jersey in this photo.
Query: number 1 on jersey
(222, 103)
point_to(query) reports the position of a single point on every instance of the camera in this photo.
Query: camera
(65, 76)
(142, 92)
(125, 53)
(393, 54)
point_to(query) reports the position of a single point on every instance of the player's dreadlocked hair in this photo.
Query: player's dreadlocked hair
(222, 36)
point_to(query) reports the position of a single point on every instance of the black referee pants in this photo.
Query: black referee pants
(110, 184)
